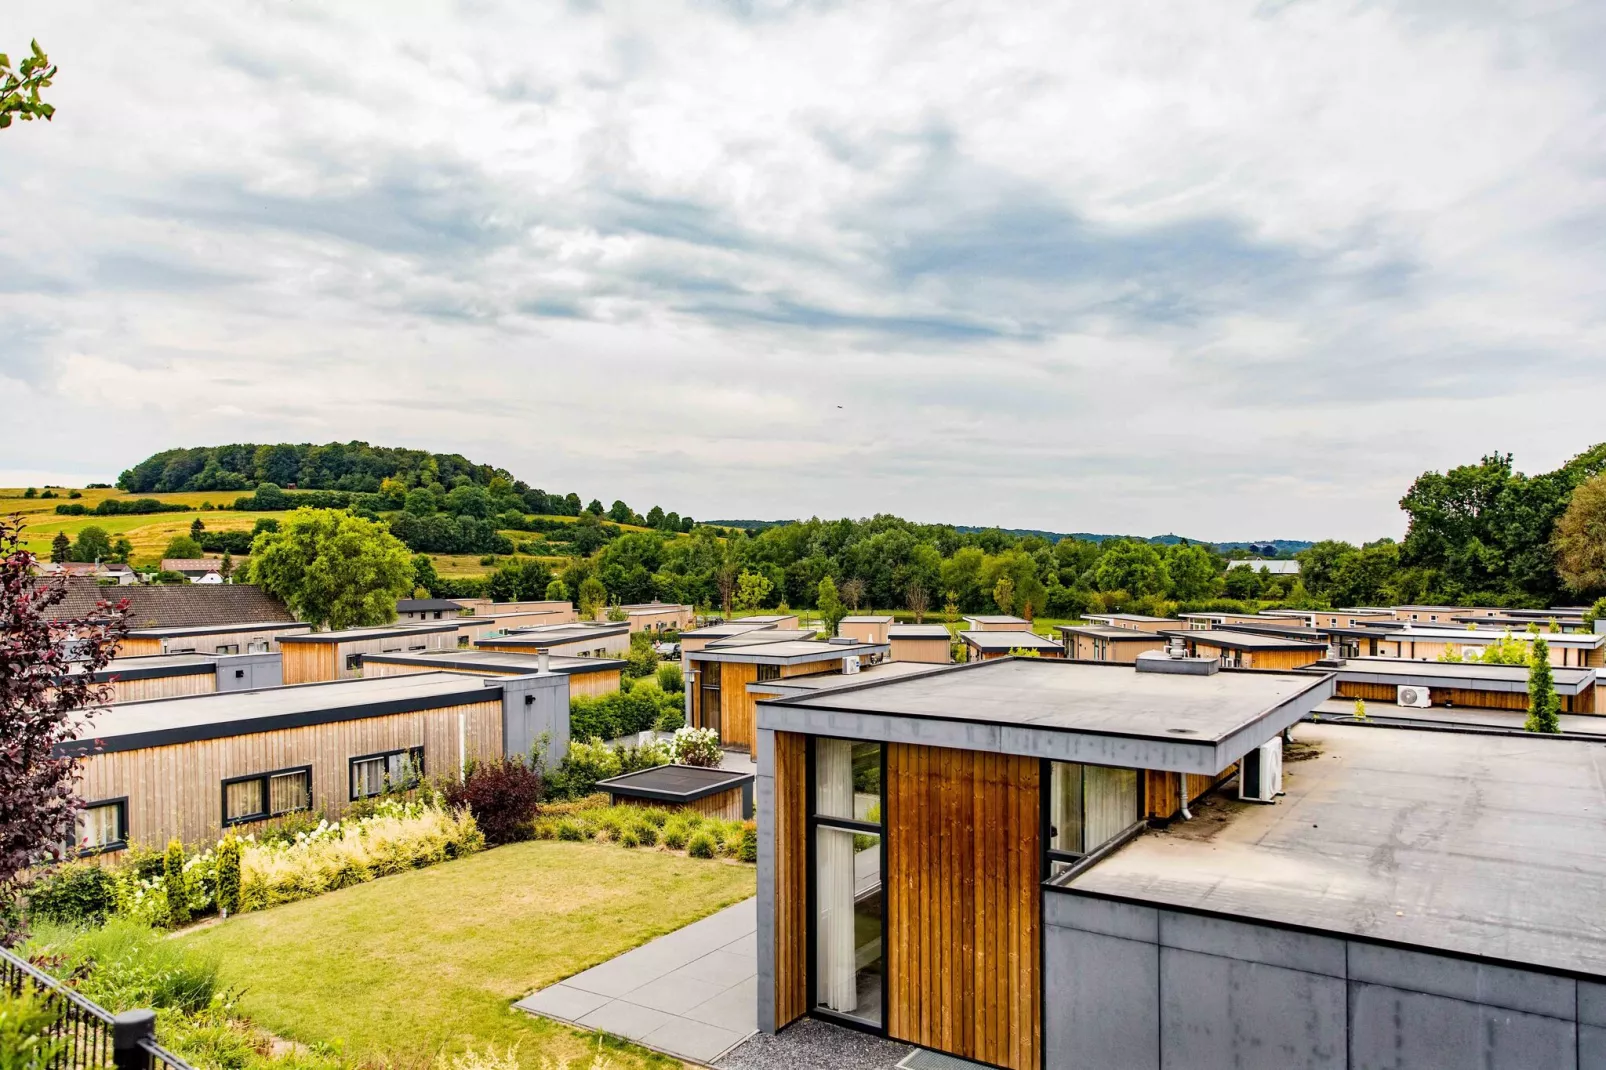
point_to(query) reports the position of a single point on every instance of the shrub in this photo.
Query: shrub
(502, 795)
(581, 768)
(747, 850)
(126, 964)
(26, 1021)
(701, 846)
(656, 818)
(77, 892)
(670, 681)
(647, 755)
(646, 833)
(228, 876)
(697, 746)
(176, 885)
(572, 830)
(675, 835)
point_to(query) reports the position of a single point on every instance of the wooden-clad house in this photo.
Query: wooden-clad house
(658, 617)
(561, 612)
(1460, 685)
(425, 609)
(1569, 649)
(1251, 650)
(866, 628)
(174, 675)
(1135, 621)
(582, 639)
(999, 643)
(996, 623)
(1094, 642)
(320, 656)
(189, 767)
(255, 637)
(587, 676)
(912, 833)
(928, 644)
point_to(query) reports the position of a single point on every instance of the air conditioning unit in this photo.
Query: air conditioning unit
(850, 665)
(1412, 695)
(1260, 774)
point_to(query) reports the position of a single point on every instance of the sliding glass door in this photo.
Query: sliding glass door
(848, 958)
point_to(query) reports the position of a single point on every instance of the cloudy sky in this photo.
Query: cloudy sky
(1235, 270)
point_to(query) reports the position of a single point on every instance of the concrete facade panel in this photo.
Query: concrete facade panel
(1591, 1047)
(1125, 920)
(1254, 943)
(1591, 1003)
(1099, 1007)
(1222, 1012)
(1392, 1029)
(1439, 975)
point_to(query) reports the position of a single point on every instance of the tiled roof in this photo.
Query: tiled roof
(175, 605)
(199, 564)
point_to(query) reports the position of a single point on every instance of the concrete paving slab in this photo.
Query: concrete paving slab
(693, 1040)
(561, 1001)
(721, 968)
(674, 993)
(736, 1008)
(625, 1019)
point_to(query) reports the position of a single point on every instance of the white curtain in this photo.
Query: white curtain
(833, 785)
(1111, 802)
(1065, 807)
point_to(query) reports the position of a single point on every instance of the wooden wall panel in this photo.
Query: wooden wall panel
(922, 651)
(137, 646)
(962, 887)
(605, 682)
(178, 790)
(1162, 796)
(738, 725)
(194, 683)
(307, 663)
(791, 879)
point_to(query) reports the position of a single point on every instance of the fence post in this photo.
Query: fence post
(128, 1029)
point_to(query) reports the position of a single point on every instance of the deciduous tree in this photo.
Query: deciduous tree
(93, 545)
(333, 568)
(830, 605)
(1543, 706)
(182, 546)
(1580, 539)
(19, 87)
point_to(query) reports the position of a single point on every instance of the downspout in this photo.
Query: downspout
(1182, 784)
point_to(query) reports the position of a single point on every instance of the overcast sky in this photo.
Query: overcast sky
(1233, 270)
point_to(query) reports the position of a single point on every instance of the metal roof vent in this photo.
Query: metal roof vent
(1165, 662)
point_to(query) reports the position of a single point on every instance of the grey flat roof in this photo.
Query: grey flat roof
(1129, 616)
(1471, 676)
(867, 619)
(1463, 718)
(156, 666)
(760, 637)
(918, 631)
(1490, 635)
(213, 629)
(789, 686)
(1099, 631)
(675, 783)
(350, 635)
(1243, 640)
(986, 641)
(501, 661)
(548, 634)
(168, 721)
(421, 605)
(765, 618)
(1486, 845)
(995, 619)
(1106, 714)
(716, 630)
(788, 652)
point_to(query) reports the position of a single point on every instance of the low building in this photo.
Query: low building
(722, 793)
(173, 675)
(1332, 618)
(317, 657)
(1416, 899)
(562, 612)
(255, 637)
(1203, 621)
(820, 682)
(172, 605)
(104, 573)
(698, 638)
(1251, 650)
(587, 676)
(928, 644)
(1444, 614)
(1092, 642)
(582, 639)
(717, 675)
(770, 620)
(659, 617)
(421, 609)
(190, 767)
(1576, 649)
(1460, 685)
(1272, 567)
(867, 628)
(987, 645)
(906, 830)
(996, 623)
(1134, 621)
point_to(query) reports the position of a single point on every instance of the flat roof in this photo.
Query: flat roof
(169, 721)
(352, 635)
(761, 637)
(1484, 845)
(765, 618)
(216, 629)
(1470, 676)
(1490, 635)
(986, 641)
(549, 634)
(787, 652)
(918, 631)
(511, 664)
(716, 630)
(421, 605)
(868, 619)
(675, 783)
(1234, 640)
(1128, 616)
(996, 619)
(155, 666)
(815, 683)
(1103, 713)
(1103, 631)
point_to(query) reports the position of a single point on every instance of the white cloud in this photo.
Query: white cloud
(1234, 271)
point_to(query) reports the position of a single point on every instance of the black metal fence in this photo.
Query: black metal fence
(85, 1036)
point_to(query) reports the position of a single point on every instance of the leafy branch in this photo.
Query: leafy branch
(19, 88)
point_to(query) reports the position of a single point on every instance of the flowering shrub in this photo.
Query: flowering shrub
(697, 746)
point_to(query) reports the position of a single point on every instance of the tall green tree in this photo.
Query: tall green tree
(592, 596)
(182, 546)
(60, 547)
(1133, 567)
(93, 545)
(830, 605)
(1543, 706)
(19, 87)
(332, 568)
(1192, 571)
(1580, 539)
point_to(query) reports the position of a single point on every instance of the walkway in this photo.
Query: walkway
(692, 994)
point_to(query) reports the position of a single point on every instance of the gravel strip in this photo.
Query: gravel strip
(811, 1044)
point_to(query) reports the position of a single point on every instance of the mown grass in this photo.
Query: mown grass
(411, 966)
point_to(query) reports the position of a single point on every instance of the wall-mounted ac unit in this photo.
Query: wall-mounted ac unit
(1260, 774)
(850, 664)
(1412, 695)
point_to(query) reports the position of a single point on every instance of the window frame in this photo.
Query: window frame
(1075, 862)
(267, 813)
(812, 824)
(121, 844)
(412, 753)
(766, 673)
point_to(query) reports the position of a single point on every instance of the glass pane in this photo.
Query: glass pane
(243, 798)
(848, 950)
(1065, 808)
(97, 827)
(1110, 802)
(368, 777)
(847, 780)
(287, 792)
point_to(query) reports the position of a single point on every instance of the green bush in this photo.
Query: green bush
(126, 964)
(670, 681)
(675, 835)
(228, 875)
(627, 838)
(656, 818)
(77, 892)
(571, 830)
(747, 850)
(176, 885)
(646, 833)
(701, 846)
(26, 1021)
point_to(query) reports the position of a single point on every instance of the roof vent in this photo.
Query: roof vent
(1164, 662)
(843, 640)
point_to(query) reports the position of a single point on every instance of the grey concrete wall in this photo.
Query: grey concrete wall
(535, 707)
(764, 791)
(1131, 987)
(247, 672)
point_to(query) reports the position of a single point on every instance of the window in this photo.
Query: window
(848, 912)
(264, 795)
(1088, 806)
(228, 648)
(397, 770)
(708, 701)
(103, 826)
(257, 646)
(769, 672)
(353, 661)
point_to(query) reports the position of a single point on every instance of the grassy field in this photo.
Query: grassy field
(402, 969)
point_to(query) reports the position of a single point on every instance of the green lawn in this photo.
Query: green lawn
(406, 967)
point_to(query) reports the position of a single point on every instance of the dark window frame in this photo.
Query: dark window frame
(120, 844)
(414, 754)
(767, 673)
(1077, 861)
(813, 823)
(268, 812)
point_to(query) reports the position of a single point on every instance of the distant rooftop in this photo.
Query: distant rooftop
(714, 631)
(996, 619)
(173, 605)
(1105, 631)
(1236, 640)
(1487, 845)
(761, 637)
(918, 631)
(218, 629)
(867, 619)
(428, 605)
(1135, 617)
(1468, 675)
(1490, 635)
(1275, 568)
(816, 683)
(497, 661)
(988, 642)
(786, 652)
(550, 634)
(349, 635)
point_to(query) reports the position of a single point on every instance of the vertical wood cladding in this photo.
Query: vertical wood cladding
(963, 869)
(791, 879)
